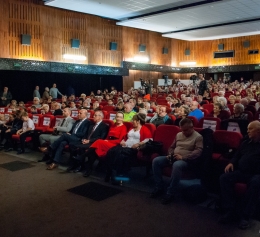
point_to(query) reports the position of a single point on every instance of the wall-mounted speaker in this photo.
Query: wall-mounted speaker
(142, 48)
(26, 39)
(221, 47)
(165, 50)
(187, 52)
(113, 46)
(75, 43)
(246, 44)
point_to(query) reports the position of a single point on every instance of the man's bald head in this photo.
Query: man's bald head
(253, 130)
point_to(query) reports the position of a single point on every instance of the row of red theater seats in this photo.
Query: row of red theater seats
(167, 133)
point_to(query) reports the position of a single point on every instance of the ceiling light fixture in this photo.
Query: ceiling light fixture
(74, 57)
(187, 63)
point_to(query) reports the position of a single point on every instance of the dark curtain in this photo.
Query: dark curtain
(22, 83)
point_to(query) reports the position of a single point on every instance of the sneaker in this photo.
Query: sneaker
(156, 193)
(168, 198)
(243, 224)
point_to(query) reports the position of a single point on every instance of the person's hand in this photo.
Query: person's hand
(135, 146)
(229, 167)
(122, 143)
(68, 133)
(85, 141)
(177, 156)
(8, 130)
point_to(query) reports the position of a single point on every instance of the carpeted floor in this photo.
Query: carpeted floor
(35, 202)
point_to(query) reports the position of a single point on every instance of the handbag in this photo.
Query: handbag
(151, 147)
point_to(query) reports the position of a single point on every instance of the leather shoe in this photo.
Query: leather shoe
(156, 193)
(167, 199)
(78, 169)
(48, 162)
(20, 152)
(52, 166)
(9, 149)
(43, 149)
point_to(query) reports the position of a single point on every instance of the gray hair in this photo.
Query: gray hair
(240, 107)
(222, 99)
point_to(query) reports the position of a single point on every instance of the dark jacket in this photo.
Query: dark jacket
(100, 132)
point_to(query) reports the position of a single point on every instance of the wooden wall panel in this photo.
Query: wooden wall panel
(4, 35)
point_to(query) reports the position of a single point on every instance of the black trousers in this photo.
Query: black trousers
(22, 139)
(227, 184)
(8, 136)
(119, 158)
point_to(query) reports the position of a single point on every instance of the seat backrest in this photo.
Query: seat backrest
(257, 116)
(111, 115)
(8, 110)
(37, 118)
(210, 122)
(74, 113)
(47, 120)
(194, 120)
(250, 116)
(231, 108)
(57, 120)
(2, 109)
(151, 127)
(205, 112)
(251, 108)
(128, 125)
(109, 108)
(208, 107)
(232, 139)
(90, 113)
(109, 122)
(166, 134)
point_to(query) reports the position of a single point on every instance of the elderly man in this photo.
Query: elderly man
(239, 112)
(64, 126)
(36, 102)
(45, 94)
(128, 112)
(77, 132)
(54, 92)
(195, 112)
(57, 109)
(185, 149)
(243, 167)
(5, 97)
(161, 118)
(97, 130)
(36, 93)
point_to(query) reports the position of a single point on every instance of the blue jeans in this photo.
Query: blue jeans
(177, 167)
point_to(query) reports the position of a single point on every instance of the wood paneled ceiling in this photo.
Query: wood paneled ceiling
(187, 20)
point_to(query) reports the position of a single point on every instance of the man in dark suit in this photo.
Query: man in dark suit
(97, 130)
(77, 132)
(5, 97)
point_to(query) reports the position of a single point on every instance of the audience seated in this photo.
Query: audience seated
(95, 131)
(238, 112)
(243, 167)
(161, 118)
(183, 113)
(128, 112)
(195, 111)
(218, 112)
(186, 148)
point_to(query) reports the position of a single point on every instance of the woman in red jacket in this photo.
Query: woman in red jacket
(114, 137)
(119, 157)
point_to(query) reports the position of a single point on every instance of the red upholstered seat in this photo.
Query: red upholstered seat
(109, 122)
(213, 123)
(128, 125)
(45, 123)
(111, 115)
(16, 137)
(194, 120)
(208, 107)
(109, 108)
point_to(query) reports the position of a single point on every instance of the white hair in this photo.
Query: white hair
(223, 99)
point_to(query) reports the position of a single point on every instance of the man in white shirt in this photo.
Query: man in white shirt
(25, 131)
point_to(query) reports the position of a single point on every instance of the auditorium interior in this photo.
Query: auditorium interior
(130, 46)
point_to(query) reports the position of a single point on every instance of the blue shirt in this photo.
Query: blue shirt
(196, 113)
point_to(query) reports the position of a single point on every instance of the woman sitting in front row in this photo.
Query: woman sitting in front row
(119, 157)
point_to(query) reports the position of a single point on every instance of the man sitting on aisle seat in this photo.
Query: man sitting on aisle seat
(186, 147)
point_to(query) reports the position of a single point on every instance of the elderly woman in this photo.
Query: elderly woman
(161, 117)
(218, 112)
(239, 112)
(45, 109)
(120, 106)
(184, 110)
(223, 102)
(119, 157)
